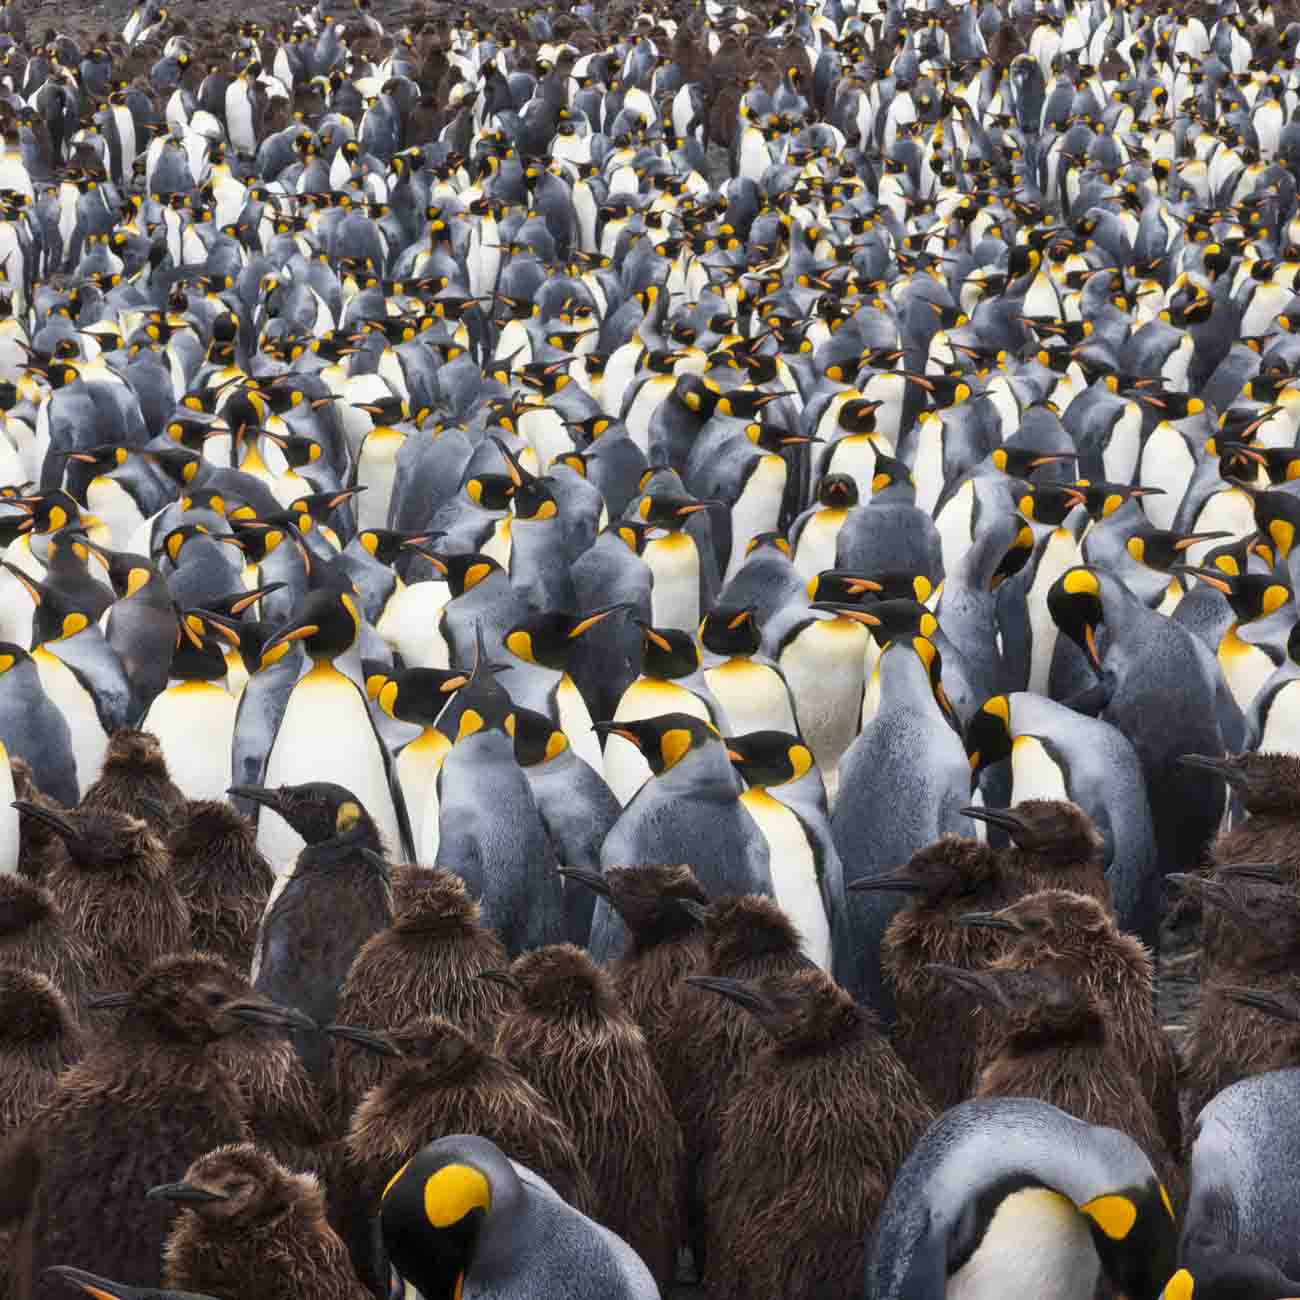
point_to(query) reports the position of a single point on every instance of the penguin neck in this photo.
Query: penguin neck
(704, 773)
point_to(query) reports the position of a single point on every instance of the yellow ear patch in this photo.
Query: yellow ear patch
(1274, 598)
(1283, 534)
(475, 574)
(1114, 1215)
(451, 1193)
(1000, 707)
(388, 697)
(7, 662)
(348, 815)
(75, 623)
(674, 746)
(470, 722)
(556, 745)
(801, 761)
(520, 644)
(1166, 1202)
(1079, 582)
(1179, 1287)
(136, 579)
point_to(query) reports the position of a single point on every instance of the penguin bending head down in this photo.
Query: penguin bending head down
(460, 1220)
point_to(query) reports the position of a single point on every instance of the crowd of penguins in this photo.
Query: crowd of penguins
(622, 632)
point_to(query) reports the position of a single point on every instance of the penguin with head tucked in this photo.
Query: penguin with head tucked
(462, 1217)
(688, 812)
(33, 728)
(997, 1187)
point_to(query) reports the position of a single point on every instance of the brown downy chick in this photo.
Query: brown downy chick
(1231, 1039)
(1077, 935)
(713, 1041)
(223, 879)
(249, 1227)
(34, 936)
(571, 1038)
(1050, 1042)
(38, 1041)
(933, 1032)
(146, 1099)
(115, 891)
(1268, 788)
(440, 1081)
(134, 780)
(810, 1142)
(1054, 845)
(426, 963)
(39, 848)
(662, 907)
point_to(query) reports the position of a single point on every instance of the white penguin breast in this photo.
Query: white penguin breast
(1037, 1245)
(1034, 772)
(418, 766)
(89, 743)
(794, 873)
(1282, 724)
(753, 696)
(195, 725)
(815, 550)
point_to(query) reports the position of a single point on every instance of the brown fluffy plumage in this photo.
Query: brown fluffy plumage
(712, 1042)
(666, 944)
(268, 1238)
(444, 1082)
(1078, 935)
(117, 896)
(33, 935)
(1230, 1040)
(425, 964)
(1051, 1043)
(135, 1111)
(572, 1039)
(38, 1040)
(1056, 846)
(223, 879)
(39, 848)
(134, 780)
(810, 1142)
(944, 880)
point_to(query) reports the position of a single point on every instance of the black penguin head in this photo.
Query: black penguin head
(481, 705)
(103, 1288)
(386, 544)
(1162, 548)
(665, 740)
(463, 572)
(1074, 603)
(432, 1213)
(837, 492)
(731, 630)
(1050, 503)
(1021, 462)
(416, 695)
(1216, 1272)
(326, 622)
(196, 998)
(767, 758)
(317, 810)
(667, 653)
(547, 638)
(537, 739)
(1251, 595)
(668, 509)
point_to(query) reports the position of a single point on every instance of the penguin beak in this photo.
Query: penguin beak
(1220, 767)
(1207, 576)
(503, 977)
(1001, 817)
(616, 729)
(258, 794)
(595, 618)
(1264, 873)
(852, 612)
(366, 1038)
(299, 631)
(980, 983)
(58, 823)
(184, 1192)
(1262, 1000)
(592, 879)
(91, 1284)
(271, 1015)
(988, 921)
(740, 992)
(898, 880)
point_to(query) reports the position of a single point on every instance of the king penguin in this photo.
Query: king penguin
(326, 733)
